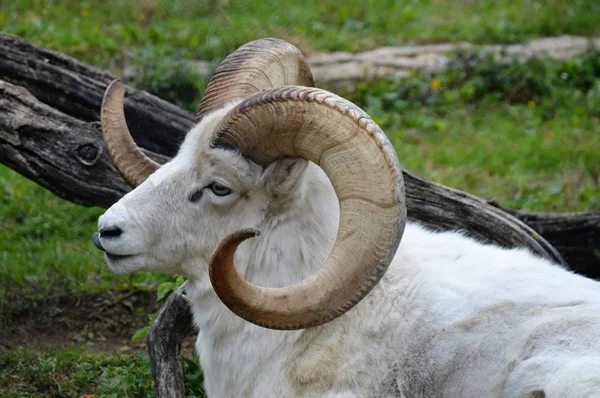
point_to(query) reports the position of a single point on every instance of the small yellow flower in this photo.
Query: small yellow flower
(85, 12)
(531, 104)
(435, 84)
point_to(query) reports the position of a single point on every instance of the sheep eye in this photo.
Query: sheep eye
(196, 196)
(219, 189)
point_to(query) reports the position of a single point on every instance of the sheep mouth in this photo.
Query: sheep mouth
(112, 257)
(118, 257)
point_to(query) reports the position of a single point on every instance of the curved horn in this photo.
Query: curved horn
(129, 160)
(256, 66)
(364, 170)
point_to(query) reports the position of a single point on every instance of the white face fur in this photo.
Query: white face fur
(175, 219)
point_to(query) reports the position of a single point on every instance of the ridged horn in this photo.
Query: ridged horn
(129, 160)
(364, 170)
(256, 66)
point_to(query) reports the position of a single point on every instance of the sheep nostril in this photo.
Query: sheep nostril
(108, 233)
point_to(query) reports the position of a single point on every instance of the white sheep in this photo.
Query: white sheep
(450, 317)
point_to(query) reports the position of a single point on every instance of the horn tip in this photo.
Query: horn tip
(115, 84)
(244, 234)
(234, 239)
(115, 89)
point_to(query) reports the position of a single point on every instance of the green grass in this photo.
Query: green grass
(46, 249)
(156, 39)
(102, 32)
(524, 134)
(508, 153)
(72, 373)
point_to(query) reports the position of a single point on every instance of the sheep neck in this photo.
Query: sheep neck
(296, 239)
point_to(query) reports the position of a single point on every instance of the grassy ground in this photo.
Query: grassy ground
(153, 37)
(525, 135)
(73, 373)
(46, 252)
(97, 31)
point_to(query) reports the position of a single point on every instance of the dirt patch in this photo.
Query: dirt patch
(98, 323)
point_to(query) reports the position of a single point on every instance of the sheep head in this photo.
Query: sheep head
(258, 114)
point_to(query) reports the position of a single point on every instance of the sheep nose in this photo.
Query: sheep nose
(111, 232)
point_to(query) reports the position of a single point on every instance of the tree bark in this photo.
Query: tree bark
(170, 327)
(68, 157)
(76, 89)
(575, 235)
(61, 149)
(61, 153)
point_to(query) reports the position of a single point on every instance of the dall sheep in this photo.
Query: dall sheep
(372, 306)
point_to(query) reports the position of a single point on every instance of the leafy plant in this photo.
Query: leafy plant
(168, 76)
(163, 291)
(474, 78)
(194, 379)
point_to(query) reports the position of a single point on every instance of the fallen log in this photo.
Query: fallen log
(71, 88)
(59, 152)
(172, 324)
(574, 235)
(67, 156)
(76, 89)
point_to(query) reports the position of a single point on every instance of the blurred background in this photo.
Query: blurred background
(525, 133)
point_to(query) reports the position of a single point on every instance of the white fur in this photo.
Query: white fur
(451, 317)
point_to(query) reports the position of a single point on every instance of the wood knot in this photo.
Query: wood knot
(88, 154)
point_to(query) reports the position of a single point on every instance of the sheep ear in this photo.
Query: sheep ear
(284, 175)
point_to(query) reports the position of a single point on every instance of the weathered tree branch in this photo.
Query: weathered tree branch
(59, 152)
(77, 169)
(172, 324)
(76, 89)
(67, 156)
(575, 235)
